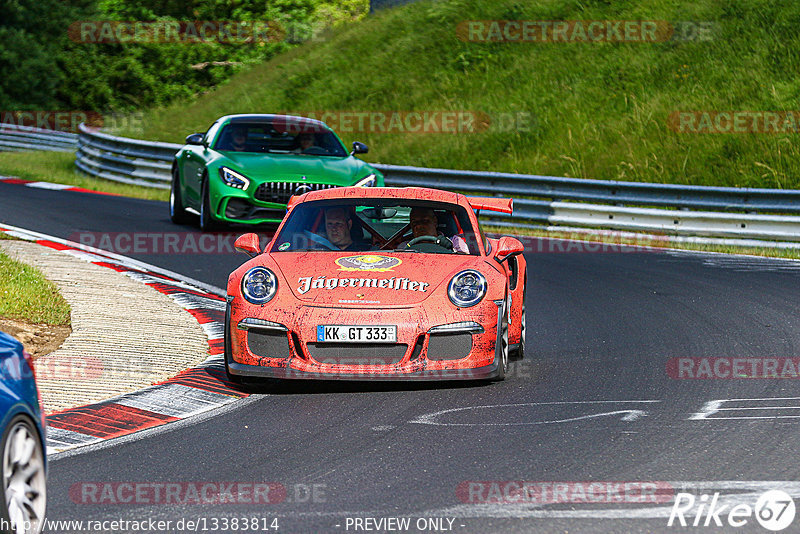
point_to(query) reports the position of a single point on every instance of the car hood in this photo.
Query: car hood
(369, 279)
(289, 167)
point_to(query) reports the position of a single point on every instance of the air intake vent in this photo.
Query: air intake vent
(281, 192)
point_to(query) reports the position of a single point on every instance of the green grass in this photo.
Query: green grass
(26, 294)
(59, 167)
(599, 110)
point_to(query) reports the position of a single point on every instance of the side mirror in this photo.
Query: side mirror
(248, 243)
(507, 247)
(195, 139)
(359, 148)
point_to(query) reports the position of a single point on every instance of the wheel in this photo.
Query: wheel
(24, 477)
(177, 212)
(502, 368)
(226, 342)
(207, 223)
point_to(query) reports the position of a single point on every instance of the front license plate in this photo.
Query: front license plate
(356, 334)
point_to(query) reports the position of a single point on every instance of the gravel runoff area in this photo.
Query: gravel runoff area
(125, 335)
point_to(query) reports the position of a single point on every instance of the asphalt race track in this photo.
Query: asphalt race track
(597, 399)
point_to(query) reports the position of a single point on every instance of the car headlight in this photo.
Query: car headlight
(259, 285)
(233, 178)
(467, 288)
(369, 181)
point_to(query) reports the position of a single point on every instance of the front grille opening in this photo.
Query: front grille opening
(242, 210)
(281, 192)
(350, 354)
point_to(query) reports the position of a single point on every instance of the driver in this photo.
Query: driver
(238, 138)
(423, 222)
(337, 226)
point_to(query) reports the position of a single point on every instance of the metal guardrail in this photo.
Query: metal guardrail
(771, 214)
(18, 138)
(733, 216)
(130, 161)
(606, 191)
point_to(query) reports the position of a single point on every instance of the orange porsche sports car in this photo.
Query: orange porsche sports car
(378, 284)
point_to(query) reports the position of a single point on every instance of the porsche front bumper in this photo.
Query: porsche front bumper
(284, 347)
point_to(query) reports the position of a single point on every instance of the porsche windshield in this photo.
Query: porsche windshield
(279, 137)
(389, 225)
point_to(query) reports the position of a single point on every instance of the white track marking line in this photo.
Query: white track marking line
(49, 185)
(631, 415)
(716, 406)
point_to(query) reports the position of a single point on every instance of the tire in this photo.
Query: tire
(502, 339)
(207, 222)
(228, 353)
(177, 211)
(24, 488)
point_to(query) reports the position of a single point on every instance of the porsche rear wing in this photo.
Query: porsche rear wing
(503, 205)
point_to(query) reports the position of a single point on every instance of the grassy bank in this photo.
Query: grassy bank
(594, 110)
(25, 294)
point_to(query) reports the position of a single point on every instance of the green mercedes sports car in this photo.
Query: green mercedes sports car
(245, 168)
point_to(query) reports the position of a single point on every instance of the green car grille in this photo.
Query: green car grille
(281, 192)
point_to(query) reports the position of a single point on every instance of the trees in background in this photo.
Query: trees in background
(45, 66)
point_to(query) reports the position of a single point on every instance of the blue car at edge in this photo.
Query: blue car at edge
(23, 447)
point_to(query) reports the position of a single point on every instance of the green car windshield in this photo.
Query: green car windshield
(277, 137)
(378, 224)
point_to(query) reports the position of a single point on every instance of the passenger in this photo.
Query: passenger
(424, 222)
(304, 141)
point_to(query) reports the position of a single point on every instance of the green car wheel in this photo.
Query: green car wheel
(207, 223)
(176, 210)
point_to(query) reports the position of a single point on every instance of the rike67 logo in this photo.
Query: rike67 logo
(774, 510)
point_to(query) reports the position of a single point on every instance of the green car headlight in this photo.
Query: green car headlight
(368, 181)
(233, 178)
(467, 288)
(259, 285)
